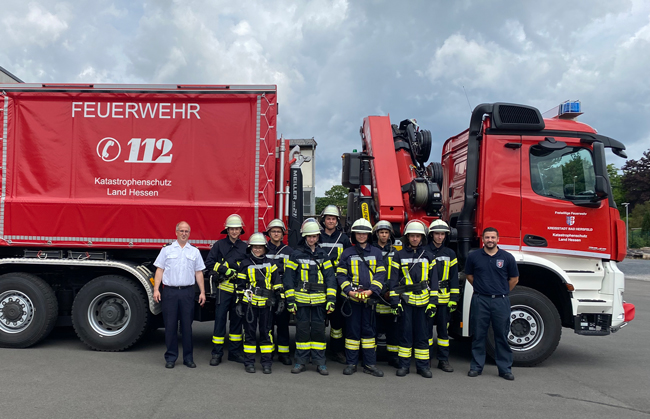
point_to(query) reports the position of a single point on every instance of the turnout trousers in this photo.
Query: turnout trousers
(178, 305)
(360, 332)
(485, 310)
(282, 332)
(413, 337)
(226, 305)
(262, 319)
(337, 323)
(387, 326)
(310, 334)
(440, 321)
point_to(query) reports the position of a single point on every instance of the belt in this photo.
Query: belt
(492, 295)
(178, 287)
(310, 286)
(401, 289)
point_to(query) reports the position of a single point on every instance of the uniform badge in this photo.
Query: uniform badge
(570, 220)
(499, 263)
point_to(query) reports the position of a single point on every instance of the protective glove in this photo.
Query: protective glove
(239, 310)
(280, 308)
(230, 273)
(398, 309)
(292, 308)
(431, 310)
(330, 307)
(452, 306)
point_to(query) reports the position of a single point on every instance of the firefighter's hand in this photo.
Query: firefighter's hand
(292, 308)
(156, 295)
(431, 310)
(239, 310)
(230, 273)
(398, 309)
(330, 307)
(280, 308)
(452, 306)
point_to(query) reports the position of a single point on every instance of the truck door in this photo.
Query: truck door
(560, 214)
(500, 187)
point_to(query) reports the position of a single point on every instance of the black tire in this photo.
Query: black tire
(110, 313)
(535, 328)
(28, 310)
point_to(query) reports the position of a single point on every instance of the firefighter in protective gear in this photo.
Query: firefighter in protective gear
(223, 263)
(310, 290)
(361, 275)
(383, 238)
(333, 240)
(448, 290)
(279, 254)
(414, 295)
(259, 284)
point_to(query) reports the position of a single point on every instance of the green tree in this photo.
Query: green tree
(336, 195)
(645, 224)
(615, 179)
(636, 180)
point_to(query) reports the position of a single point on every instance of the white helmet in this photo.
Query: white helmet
(276, 223)
(360, 226)
(256, 239)
(439, 226)
(309, 228)
(331, 210)
(233, 221)
(383, 225)
(416, 227)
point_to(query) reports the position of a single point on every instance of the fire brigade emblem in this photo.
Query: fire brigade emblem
(499, 263)
(570, 220)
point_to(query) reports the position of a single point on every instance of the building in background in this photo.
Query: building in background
(7, 77)
(307, 148)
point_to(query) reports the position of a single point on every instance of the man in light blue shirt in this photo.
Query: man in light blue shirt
(179, 265)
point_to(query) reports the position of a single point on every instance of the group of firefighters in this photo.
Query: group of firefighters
(366, 287)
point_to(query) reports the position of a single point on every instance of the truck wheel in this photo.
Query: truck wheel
(110, 313)
(535, 328)
(28, 310)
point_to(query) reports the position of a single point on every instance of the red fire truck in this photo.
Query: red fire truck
(95, 177)
(542, 183)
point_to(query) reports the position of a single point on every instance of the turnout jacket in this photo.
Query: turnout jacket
(447, 266)
(361, 268)
(334, 245)
(260, 276)
(387, 253)
(223, 255)
(309, 277)
(279, 255)
(414, 277)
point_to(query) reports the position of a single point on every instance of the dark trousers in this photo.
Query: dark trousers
(413, 337)
(225, 305)
(387, 325)
(310, 334)
(178, 304)
(337, 323)
(360, 332)
(262, 319)
(282, 332)
(440, 321)
(486, 310)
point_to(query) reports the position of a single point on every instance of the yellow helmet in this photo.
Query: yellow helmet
(439, 226)
(309, 228)
(276, 223)
(416, 227)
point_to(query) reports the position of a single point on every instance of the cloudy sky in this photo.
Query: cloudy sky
(336, 61)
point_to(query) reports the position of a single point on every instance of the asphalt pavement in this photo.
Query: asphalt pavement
(587, 377)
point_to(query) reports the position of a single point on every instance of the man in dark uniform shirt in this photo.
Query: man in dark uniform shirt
(493, 273)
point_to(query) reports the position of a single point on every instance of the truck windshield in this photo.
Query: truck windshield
(567, 173)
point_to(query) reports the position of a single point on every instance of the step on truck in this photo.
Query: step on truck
(94, 180)
(542, 182)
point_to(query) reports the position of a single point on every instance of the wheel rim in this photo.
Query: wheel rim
(109, 314)
(526, 328)
(16, 311)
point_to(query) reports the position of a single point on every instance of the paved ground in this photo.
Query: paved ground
(597, 377)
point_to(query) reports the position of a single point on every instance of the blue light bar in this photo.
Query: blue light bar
(571, 107)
